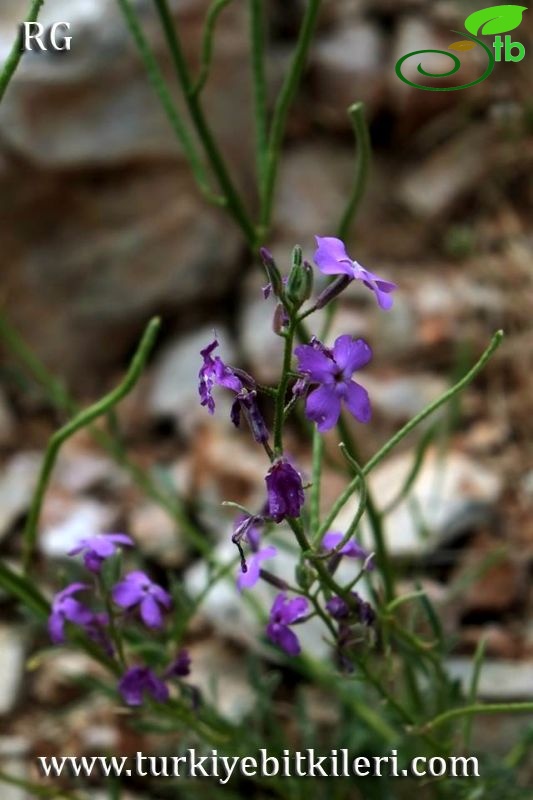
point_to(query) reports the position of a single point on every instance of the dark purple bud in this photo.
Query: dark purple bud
(337, 608)
(180, 667)
(333, 290)
(285, 492)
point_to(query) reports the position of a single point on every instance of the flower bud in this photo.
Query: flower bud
(300, 283)
(332, 290)
(275, 284)
(304, 575)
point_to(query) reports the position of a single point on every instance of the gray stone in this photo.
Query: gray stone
(157, 535)
(17, 483)
(446, 497)
(222, 676)
(12, 655)
(348, 66)
(501, 680)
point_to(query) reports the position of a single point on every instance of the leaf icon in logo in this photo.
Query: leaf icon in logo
(466, 45)
(493, 20)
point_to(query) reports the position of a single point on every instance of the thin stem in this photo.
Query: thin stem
(314, 505)
(356, 113)
(82, 420)
(479, 708)
(257, 31)
(410, 426)
(158, 82)
(282, 390)
(283, 103)
(233, 201)
(207, 43)
(13, 59)
(61, 399)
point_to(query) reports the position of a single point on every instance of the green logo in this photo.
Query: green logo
(487, 21)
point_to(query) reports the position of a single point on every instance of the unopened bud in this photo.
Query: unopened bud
(300, 283)
(275, 284)
(332, 290)
(304, 575)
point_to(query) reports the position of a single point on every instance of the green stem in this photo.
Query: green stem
(207, 43)
(356, 113)
(158, 82)
(257, 31)
(82, 420)
(61, 399)
(480, 708)
(13, 59)
(410, 426)
(314, 504)
(282, 390)
(234, 202)
(283, 103)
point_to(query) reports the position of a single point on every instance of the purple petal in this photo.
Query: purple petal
(277, 606)
(245, 580)
(161, 596)
(56, 628)
(150, 612)
(127, 594)
(315, 363)
(358, 402)
(331, 257)
(323, 406)
(294, 609)
(351, 354)
(121, 538)
(102, 546)
(352, 548)
(285, 638)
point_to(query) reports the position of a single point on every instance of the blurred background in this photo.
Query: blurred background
(102, 226)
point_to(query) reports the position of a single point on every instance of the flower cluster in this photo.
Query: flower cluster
(134, 597)
(321, 379)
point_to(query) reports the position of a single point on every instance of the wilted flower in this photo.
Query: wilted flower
(332, 369)
(136, 589)
(97, 548)
(65, 608)
(352, 548)
(249, 577)
(286, 612)
(215, 372)
(285, 494)
(138, 681)
(246, 401)
(332, 259)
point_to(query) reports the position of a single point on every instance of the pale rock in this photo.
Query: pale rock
(499, 680)
(223, 679)
(17, 483)
(12, 656)
(79, 469)
(447, 495)
(401, 397)
(347, 65)
(66, 521)
(157, 535)
(56, 673)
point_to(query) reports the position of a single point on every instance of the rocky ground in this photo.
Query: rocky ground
(102, 227)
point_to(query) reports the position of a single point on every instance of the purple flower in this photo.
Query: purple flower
(283, 613)
(249, 577)
(214, 371)
(180, 667)
(97, 548)
(65, 608)
(332, 259)
(136, 589)
(332, 369)
(285, 494)
(352, 549)
(138, 681)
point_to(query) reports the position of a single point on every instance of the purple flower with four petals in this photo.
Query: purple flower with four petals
(332, 259)
(245, 580)
(352, 548)
(283, 613)
(139, 681)
(332, 369)
(285, 494)
(66, 608)
(97, 548)
(136, 589)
